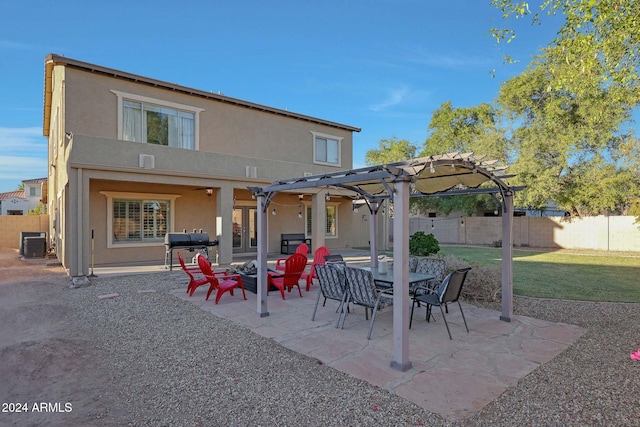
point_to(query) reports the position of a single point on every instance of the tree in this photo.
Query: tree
(570, 110)
(596, 46)
(38, 210)
(390, 151)
(473, 129)
(562, 140)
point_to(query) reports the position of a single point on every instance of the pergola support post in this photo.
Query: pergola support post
(507, 257)
(318, 220)
(401, 276)
(373, 233)
(261, 281)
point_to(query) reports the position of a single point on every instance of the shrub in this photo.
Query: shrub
(483, 284)
(421, 244)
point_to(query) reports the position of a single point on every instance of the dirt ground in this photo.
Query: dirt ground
(48, 370)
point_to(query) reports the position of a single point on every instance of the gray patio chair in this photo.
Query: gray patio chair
(362, 291)
(433, 266)
(449, 291)
(333, 286)
(413, 263)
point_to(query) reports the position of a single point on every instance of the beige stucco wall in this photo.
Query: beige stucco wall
(237, 147)
(58, 152)
(12, 225)
(193, 209)
(614, 233)
(224, 128)
(353, 229)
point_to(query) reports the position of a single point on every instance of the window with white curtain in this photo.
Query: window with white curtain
(158, 125)
(143, 119)
(326, 149)
(331, 225)
(140, 220)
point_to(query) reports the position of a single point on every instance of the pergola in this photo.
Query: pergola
(447, 174)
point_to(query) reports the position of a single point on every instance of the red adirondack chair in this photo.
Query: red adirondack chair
(220, 282)
(318, 259)
(194, 281)
(293, 269)
(302, 248)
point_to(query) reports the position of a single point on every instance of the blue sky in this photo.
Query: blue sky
(381, 65)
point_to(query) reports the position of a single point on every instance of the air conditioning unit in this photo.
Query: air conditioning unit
(34, 247)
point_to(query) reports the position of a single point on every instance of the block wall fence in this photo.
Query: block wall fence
(12, 225)
(606, 233)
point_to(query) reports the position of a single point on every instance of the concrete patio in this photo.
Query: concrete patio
(453, 378)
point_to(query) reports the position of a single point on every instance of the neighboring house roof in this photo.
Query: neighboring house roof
(34, 181)
(53, 59)
(8, 195)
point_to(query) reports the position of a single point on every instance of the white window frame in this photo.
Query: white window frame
(122, 96)
(307, 208)
(338, 139)
(111, 195)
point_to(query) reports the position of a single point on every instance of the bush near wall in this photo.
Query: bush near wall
(482, 283)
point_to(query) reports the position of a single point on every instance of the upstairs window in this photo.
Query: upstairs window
(326, 149)
(153, 121)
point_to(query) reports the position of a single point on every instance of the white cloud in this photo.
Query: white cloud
(394, 97)
(21, 139)
(8, 44)
(449, 60)
(23, 155)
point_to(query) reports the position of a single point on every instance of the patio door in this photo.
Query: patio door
(245, 229)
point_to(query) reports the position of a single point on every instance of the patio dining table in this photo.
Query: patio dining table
(385, 280)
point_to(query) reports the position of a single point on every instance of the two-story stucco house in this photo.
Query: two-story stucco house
(132, 158)
(33, 190)
(13, 203)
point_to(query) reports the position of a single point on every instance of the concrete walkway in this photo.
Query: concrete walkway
(453, 378)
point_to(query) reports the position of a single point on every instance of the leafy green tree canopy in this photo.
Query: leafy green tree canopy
(570, 111)
(390, 151)
(597, 45)
(473, 129)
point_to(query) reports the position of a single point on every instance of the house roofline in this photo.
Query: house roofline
(34, 180)
(53, 59)
(19, 194)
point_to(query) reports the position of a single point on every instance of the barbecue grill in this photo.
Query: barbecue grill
(188, 241)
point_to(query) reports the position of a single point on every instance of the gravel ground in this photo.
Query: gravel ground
(155, 360)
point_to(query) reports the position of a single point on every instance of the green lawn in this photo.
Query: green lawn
(588, 276)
